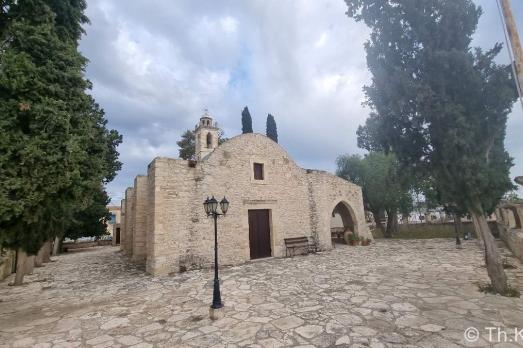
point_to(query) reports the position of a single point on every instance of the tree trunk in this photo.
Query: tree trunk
(47, 251)
(377, 220)
(457, 229)
(495, 269)
(21, 260)
(478, 233)
(39, 258)
(30, 264)
(392, 224)
(56, 246)
(395, 225)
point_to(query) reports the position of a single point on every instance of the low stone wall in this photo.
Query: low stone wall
(7, 259)
(432, 230)
(509, 216)
(80, 245)
(513, 238)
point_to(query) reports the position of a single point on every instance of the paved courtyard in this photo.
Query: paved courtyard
(390, 294)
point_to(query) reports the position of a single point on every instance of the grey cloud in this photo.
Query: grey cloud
(156, 65)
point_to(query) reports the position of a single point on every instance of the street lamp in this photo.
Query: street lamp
(211, 209)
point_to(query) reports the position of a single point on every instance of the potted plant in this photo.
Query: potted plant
(365, 241)
(354, 239)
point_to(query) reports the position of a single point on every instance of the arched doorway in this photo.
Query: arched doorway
(342, 223)
(117, 237)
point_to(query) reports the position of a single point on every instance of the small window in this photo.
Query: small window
(258, 171)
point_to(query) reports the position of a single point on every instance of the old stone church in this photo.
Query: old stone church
(164, 225)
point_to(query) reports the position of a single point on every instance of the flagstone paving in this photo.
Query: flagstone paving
(390, 294)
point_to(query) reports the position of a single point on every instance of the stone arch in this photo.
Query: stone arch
(209, 140)
(343, 221)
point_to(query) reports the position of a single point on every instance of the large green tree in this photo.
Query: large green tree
(186, 145)
(271, 129)
(385, 188)
(55, 149)
(92, 220)
(246, 121)
(438, 104)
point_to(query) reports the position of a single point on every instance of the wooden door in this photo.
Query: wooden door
(117, 236)
(259, 233)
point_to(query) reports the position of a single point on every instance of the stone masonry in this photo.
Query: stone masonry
(165, 223)
(393, 294)
(127, 238)
(122, 223)
(509, 218)
(140, 197)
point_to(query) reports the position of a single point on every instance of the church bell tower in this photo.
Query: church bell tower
(206, 135)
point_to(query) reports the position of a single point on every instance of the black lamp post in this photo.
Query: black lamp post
(211, 209)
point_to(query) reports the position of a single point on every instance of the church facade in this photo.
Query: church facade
(164, 225)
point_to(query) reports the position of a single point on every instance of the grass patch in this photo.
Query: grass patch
(488, 289)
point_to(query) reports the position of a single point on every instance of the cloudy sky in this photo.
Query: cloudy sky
(156, 65)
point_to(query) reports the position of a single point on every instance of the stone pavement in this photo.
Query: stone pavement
(390, 294)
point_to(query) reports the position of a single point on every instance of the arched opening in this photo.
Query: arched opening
(342, 223)
(209, 140)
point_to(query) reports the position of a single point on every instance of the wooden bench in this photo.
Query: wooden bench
(291, 244)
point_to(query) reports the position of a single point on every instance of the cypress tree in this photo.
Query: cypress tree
(271, 130)
(246, 121)
(55, 149)
(187, 145)
(440, 105)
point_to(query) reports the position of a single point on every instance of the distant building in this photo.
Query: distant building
(113, 223)
(164, 225)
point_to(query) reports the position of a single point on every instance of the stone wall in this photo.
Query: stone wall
(327, 191)
(129, 221)
(509, 218)
(170, 226)
(7, 260)
(122, 225)
(165, 219)
(139, 211)
(151, 210)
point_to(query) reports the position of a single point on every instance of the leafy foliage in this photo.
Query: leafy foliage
(186, 145)
(55, 149)
(271, 130)
(91, 221)
(246, 121)
(384, 187)
(438, 104)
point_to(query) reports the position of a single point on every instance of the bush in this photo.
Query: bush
(487, 288)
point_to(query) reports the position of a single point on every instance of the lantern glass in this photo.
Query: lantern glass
(206, 206)
(224, 205)
(213, 205)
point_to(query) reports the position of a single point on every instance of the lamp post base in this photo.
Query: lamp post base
(216, 313)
